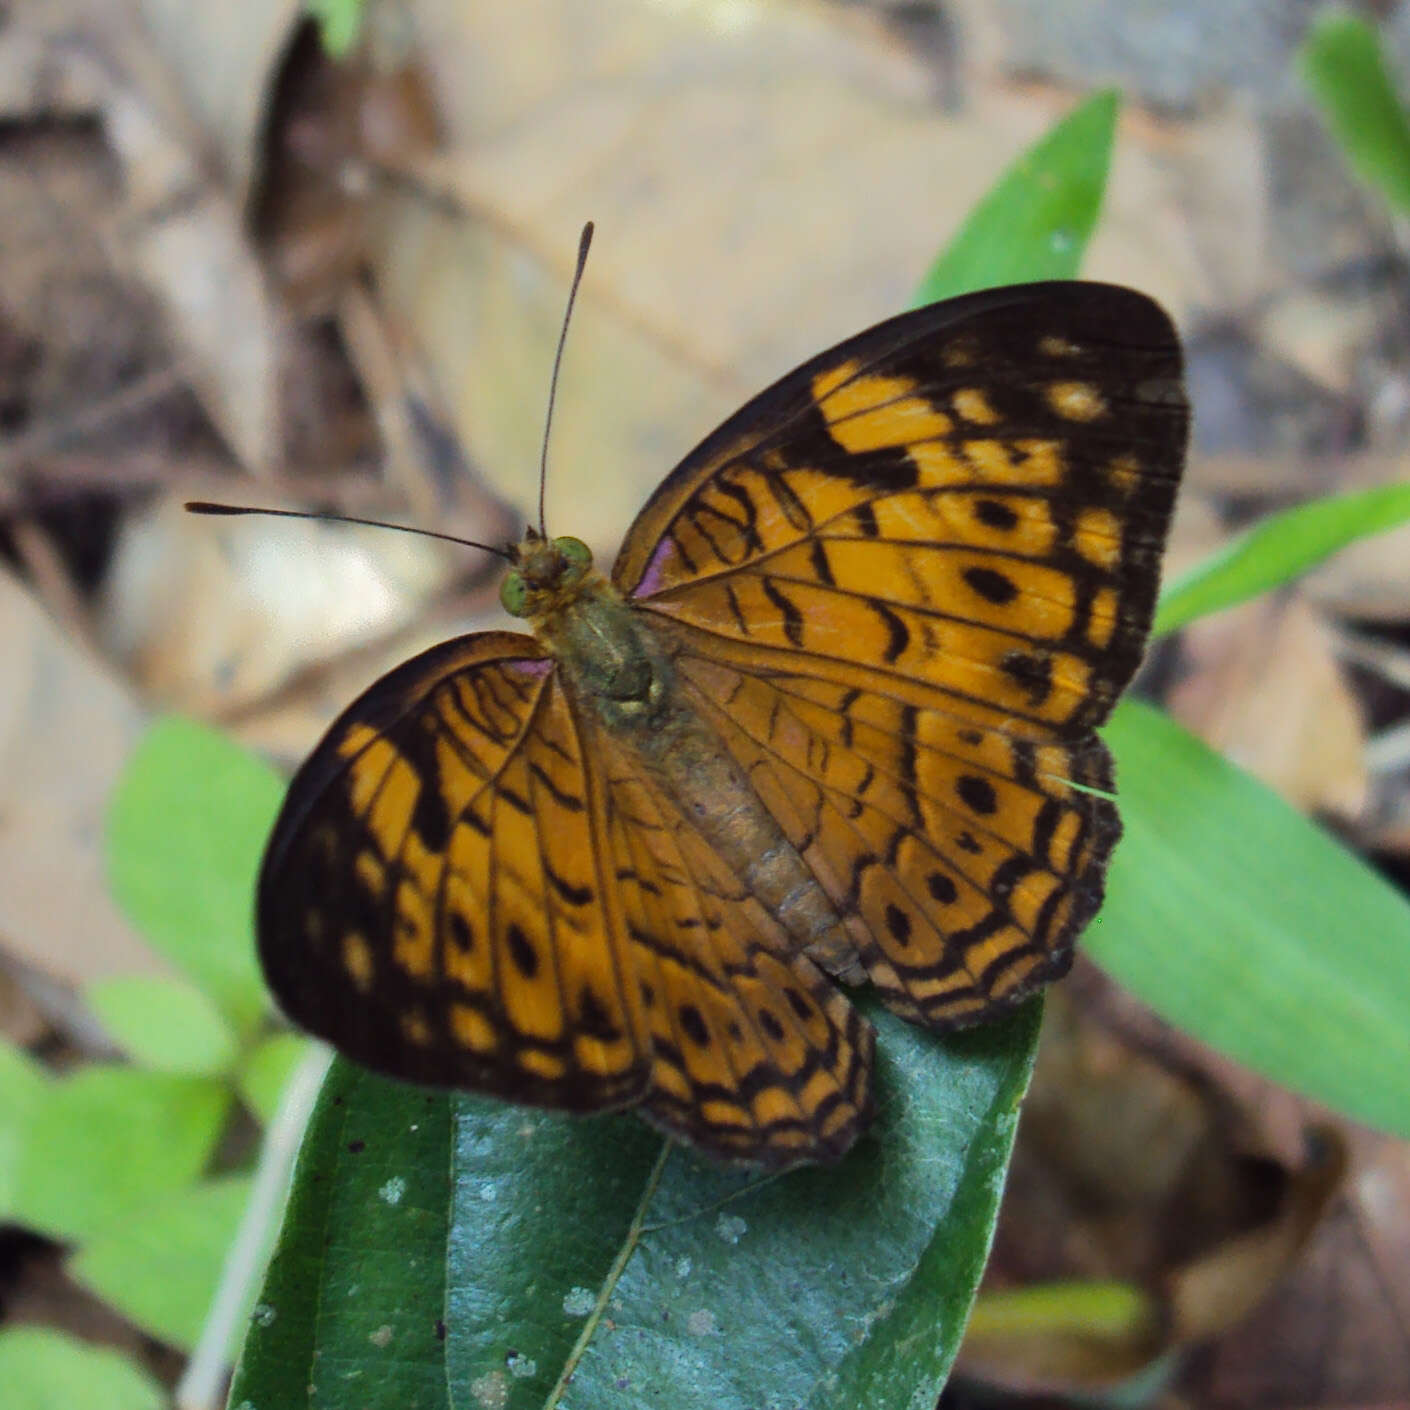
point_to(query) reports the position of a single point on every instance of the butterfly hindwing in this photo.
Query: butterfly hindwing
(754, 1055)
(964, 859)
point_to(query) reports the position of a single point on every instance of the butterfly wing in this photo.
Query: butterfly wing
(920, 570)
(471, 885)
(433, 900)
(755, 1056)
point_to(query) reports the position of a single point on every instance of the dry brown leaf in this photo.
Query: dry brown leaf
(66, 729)
(1147, 1163)
(1266, 690)
(766, 179)
(209, 615)
(1336, 1332)
(223, 59)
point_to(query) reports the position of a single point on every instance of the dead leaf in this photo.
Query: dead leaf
(1265, 688)
(55, 912)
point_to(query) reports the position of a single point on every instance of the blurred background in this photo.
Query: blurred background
(235, 267)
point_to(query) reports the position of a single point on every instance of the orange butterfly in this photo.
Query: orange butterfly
(831, 714)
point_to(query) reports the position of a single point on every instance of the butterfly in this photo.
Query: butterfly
(829, 719)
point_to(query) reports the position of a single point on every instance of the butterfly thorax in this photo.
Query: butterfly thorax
(617, 666)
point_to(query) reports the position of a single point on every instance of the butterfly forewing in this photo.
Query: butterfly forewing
(970, 500)
(432, 898)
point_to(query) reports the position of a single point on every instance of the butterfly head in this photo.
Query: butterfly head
(546, 574)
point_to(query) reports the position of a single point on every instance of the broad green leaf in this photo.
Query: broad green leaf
(540, 1244)
(353, 1303)
(23, 1085)
(1277, 549)
(45, 1370)
(1036, 221)
(1243, 924)
(167, 1025)
(266, 1070)
(186, 828)
(111, 1140)
(1343, 64)
(159, 1266)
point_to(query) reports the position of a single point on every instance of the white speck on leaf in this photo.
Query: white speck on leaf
(393, 1190)
(491, 1391)
(730, 1227)
(701, 1323)
(262, 1314)
(682, 1267)
(578, 1302)
(522, 1367)
(382, 1337)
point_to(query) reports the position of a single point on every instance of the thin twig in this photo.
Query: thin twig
(202, 1385)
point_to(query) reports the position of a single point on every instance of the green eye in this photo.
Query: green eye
(514, 594)
(575, 551)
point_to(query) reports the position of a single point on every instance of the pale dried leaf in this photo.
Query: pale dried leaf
(224, 59)
(66, 728)
(211, 614)
(1268, 692)
(766, 179)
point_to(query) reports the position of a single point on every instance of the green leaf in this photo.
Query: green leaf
(23, 1086)
(159, 1266)
(1277, 549)
(363, 1248)
(1036, 222)
(538, 1243)
(165, 1024)
(1343, 64)
(339, 22)
(1243, 924)
(267, 1069)
(186, 828)
(43, 1370)
(111, 1140)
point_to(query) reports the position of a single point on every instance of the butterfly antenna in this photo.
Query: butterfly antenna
(202, 506)
(584, 244)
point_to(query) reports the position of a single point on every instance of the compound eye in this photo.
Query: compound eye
(577, 554)
(514, 594)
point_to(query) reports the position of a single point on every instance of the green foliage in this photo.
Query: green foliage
(1036, 221)
(186, 828)
(1278, 549)
(266, 1071)
(42, 1370)
(23, 1085)
(339, 23)
(159, 1265)
(166, 1025)
(108, 1141)
(541, 1243)
(1244, 924)
(1343, 64)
